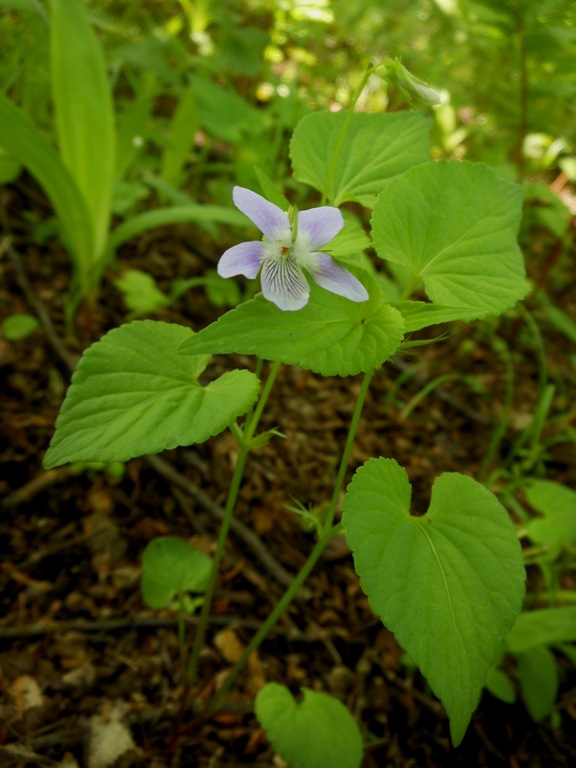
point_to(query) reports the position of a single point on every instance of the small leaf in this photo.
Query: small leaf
(315, 733)
(538, 677)
(557, 504)
(375, 148)
(170, 567)
(546, 626)
(500, 686)
(455, 226)
(19, 325)
(140, 292)
(331, 335)
(419, 314)
(133, 395)
(448, 584)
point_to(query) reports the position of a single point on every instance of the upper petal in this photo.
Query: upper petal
(330, 275)
(318, 226)
(242, 259)
(270, 220)
(284, 284)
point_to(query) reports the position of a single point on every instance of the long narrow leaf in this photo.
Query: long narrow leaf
(24, 141)
(177, 214)
(84, 112)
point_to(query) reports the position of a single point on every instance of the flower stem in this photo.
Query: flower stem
(342, 135)
(244, 446)
(328, 532)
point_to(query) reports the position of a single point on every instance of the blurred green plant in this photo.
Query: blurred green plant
(79, 178)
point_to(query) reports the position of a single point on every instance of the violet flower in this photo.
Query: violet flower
(291, 244)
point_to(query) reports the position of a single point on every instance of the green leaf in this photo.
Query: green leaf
(133, 395)
(350, 242)
(10, 168)
(331, 335)
(546, 626)
(223, 112)
(374, 149)
(84, 111)
(500, 685)
(19, 325)
(419, 314)
(455, 226)
(448, 584)
(160, 217)
(558, 505)
(538, 677)
(25, 142)
(183, 129)
(314, 733)
(140, 292)
(170, 567)
(270, 190)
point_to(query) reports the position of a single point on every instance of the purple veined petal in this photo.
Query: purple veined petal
(242, 259)
(270, 220)
(284, 284)
(329, 275)
(318, 226)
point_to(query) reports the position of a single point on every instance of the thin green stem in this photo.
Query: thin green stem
(342, 134)
(273, 617)
(329, 531)
(354, 423)
(233, 491)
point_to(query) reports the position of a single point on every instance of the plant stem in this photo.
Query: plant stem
(244, 446)
(522, 94)
(342, 135)
(329, 531)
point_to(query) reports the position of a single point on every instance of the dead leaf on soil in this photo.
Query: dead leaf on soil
(108, 737)
(26, 693)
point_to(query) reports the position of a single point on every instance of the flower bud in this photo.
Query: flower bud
(415, 91)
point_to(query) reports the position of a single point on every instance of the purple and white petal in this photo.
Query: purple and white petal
(242, 259)
(270, 220)
(332, 277)
(318, 226)
(283, 283)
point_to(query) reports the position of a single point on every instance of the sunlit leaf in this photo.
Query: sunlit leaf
(84, 111)
(133, 395)
(454, 225)
(374, 149)
(331, 335)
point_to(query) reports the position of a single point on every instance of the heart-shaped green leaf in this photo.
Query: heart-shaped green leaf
(170, 567)
(133, 395)
(316, 732)
(374, 149)
(331, 335)
(454, 225)
(448, 584)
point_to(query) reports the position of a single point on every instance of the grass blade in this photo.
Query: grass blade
(84, 112)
